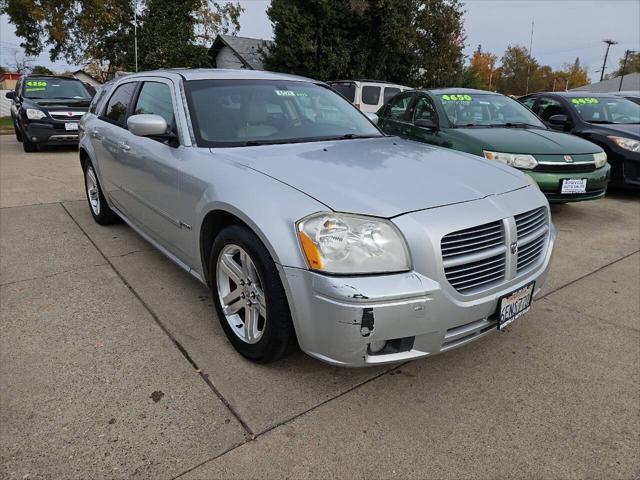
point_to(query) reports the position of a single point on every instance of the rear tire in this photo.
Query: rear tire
(253, 295)
(98, 206)
(18, 132)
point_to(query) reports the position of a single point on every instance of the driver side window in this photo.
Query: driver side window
(548, 107)
(155, 98)
(424, 110)
(397, 107)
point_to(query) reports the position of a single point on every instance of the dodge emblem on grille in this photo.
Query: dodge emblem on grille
(568, 158)
(514, 248)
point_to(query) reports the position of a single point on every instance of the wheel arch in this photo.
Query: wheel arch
(214, 222)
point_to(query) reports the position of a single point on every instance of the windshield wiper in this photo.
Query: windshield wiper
(601, 121)
(513, 125)
(349, 136)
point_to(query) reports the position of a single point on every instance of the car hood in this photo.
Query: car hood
(535, 141)
(383, 176)
(631, 130)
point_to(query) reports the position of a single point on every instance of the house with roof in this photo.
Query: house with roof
(630, 82)
(87, 78)
(230, 51)
(8, 80)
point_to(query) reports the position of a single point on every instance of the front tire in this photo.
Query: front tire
(27, 145)
(249, 297)
(98, 206)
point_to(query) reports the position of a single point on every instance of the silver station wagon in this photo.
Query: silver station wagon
(311, 226)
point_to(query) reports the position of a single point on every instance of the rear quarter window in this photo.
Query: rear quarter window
(370, 95)
(347, 90)
(118, 105)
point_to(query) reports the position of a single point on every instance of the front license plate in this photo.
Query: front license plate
(574, 185)
(514, 305)
(71, 126)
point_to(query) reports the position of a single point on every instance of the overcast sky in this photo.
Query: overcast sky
(564, 29)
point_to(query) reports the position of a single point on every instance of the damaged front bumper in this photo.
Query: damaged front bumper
(338, 318)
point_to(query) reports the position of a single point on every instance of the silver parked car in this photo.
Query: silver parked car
(312, 227)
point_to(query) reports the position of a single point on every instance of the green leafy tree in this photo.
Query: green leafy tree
(517, 66)
(394, 40)
(632, 65)
(178, 34)
(440, 41)
(40, 70)
(101, 32)
(75, 30)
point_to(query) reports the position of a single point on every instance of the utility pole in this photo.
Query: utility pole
(529, 60)
(604, 65)
(135, 32)
(624, 65)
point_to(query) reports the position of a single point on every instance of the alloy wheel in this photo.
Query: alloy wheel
(241, 293)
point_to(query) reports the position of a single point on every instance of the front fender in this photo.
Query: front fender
(270, 208)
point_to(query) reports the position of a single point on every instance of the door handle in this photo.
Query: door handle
(124, 146)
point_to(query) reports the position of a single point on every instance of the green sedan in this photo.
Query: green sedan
(498, 128)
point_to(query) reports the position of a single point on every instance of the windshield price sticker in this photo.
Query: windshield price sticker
(290, 93)
(35, 86)
(456, 98)
(584, 101)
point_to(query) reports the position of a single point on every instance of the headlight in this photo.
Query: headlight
(35, 114)
(600, 159)
(517, 160)
(350, 244)
(626, 143)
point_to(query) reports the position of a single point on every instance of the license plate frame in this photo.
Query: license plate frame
(521, 294)
(71, 126)
(571, 186)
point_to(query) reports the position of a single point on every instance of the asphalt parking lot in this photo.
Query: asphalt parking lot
(112, 364)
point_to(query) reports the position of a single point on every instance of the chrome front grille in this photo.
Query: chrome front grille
(483, 256)
(474, 257)
(532, 230)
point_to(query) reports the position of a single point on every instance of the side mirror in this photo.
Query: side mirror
(426, 123)
(10, 95)
(147, 125)
(373, 117)
(558, 120)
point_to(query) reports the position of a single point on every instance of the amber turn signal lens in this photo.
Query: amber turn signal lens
(311, 251)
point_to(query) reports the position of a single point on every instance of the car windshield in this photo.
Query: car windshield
(486, 110)
(606, 110)
(52, 88)
(231, 113)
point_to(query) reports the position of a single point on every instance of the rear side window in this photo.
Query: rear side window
(155, 98)
(347, 90)
(118, 105)
(370, 95)
(390, 92)
(93, 108)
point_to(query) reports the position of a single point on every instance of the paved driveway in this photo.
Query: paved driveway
(112, 364)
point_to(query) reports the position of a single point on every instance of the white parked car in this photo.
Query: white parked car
(367, 95)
